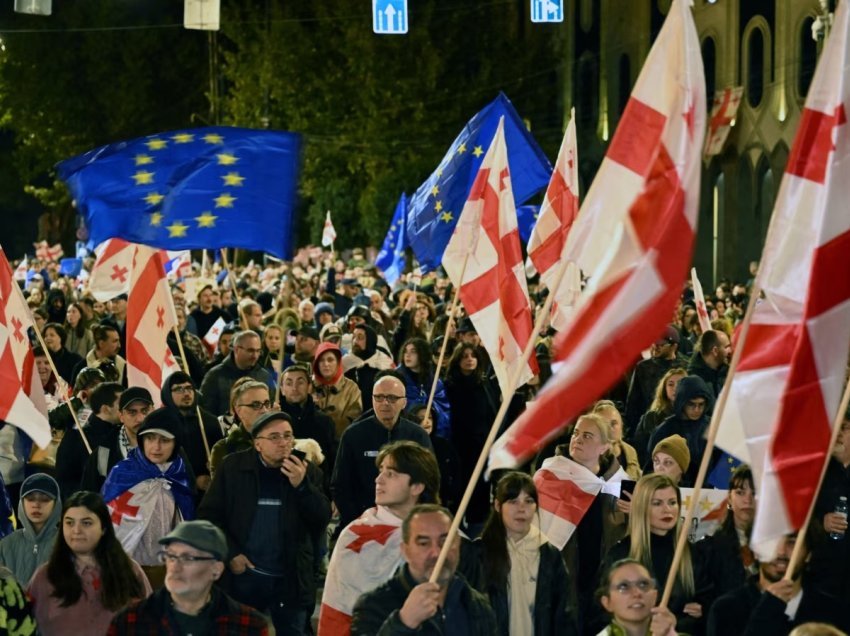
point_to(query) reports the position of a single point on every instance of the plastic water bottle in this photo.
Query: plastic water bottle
(840, 509)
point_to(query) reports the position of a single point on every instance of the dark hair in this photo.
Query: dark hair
(80, 329)
(119, 584)
(423, 352)
(104, 394)
(59, 329)
(38, 352)
(707, 341)
(741, 476)
(457, 354)
(421, 509)
(419, 463)
(605, 581)
(497, 564)
(101, 332)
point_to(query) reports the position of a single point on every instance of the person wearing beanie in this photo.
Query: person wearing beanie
(671, 457)
(39, 510)
(150, 491)
(323, 314)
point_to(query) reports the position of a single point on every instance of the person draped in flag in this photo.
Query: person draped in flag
(367, 552)
(654, 525)
(150, 492)
(524, 575)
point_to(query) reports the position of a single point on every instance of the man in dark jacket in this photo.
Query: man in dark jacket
(353, 483)
(409, 603)
(711, 359)
(242, 361)
(178, 393)
(270, 505)
(194, 554)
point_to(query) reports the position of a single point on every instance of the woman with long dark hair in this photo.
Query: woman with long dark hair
(418, 372)
(89, 578)
(525, 576)
(79, 337)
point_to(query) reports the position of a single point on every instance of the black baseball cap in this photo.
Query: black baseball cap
(134, 394)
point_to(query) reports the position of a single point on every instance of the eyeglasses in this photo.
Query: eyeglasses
(183, 559)
(392, 399)
(257, 406)
(251, 351)
(276, 438)
(187, 388)
(626, 587)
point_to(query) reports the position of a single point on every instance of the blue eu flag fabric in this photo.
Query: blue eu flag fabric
(391, 259)
(526, 218)
(437, 204)
(722, 471)
(191, 189)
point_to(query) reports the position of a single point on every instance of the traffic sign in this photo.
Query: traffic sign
(547, 10)
(389, 17)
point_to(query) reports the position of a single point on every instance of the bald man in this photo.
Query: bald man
(353, 483)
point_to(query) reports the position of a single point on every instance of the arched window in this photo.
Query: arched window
(624, 83)
(709, 60)
(808, 57)
(755, 67)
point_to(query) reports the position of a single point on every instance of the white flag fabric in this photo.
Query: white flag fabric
(366, 555)
(699, 300)
(328, 231)
(549, 235)
(150, 316)
(110, 276)
(787, 387)
(22, 401)
(493, 287)
(634, 235)
(723, 113)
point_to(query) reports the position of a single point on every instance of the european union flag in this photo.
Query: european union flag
(722, 471)
(191, 189)
(526, 218)
(391, 259)
(437, 204)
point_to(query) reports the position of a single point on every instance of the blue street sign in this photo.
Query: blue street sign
(389, 17)
(547, 10)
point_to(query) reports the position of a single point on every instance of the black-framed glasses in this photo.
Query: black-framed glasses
(626, 587)
(277, 437)
(183, 559)
(257, 406)
(186, 388)
(392, 399)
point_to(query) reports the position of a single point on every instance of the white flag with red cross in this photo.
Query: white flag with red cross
(110, 276)
(328, 231)
(150, 316)
(22, 401)
(549, 236)
(723, 112)
(634, 235)
(699, 301)
(212, 336)
(786, 392)
(493, 288)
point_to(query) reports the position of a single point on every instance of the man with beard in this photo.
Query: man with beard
(711, 359)
(409, 602)
(178, 393)
(772, 604)
(365, 360)
(306, 342)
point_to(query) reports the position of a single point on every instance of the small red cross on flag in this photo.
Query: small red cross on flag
(110, 274)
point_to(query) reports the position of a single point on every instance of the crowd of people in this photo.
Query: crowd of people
(321, 436)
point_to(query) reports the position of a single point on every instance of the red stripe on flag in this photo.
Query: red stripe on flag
(332, 621)
(564, 498)
(564, 204)
(829, 259)
(638, 137)
(813, 144)
(767, 346)
(139, 299)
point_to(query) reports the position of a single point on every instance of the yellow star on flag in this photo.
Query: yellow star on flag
(142, 177)
(478, 151)
(705, 504)
(438, 206)
(142, 160)
(154, 198)
(212, 138)
(177, 229)
(461, 149)
(233, 179)
(156, 144)
(183, 138)
(439, 172)
(226, 159)
(156, 219)
(435, 190)
(224, 200)
(206, 219)
(446, 216)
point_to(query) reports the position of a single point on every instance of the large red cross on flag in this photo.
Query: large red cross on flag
(787, 388)
(723, 113)
(110, 275)
(150, 316)
(492, 288)
(557, 214)
(634, 234)
(22, 400)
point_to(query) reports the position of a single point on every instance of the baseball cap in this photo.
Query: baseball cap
(134, 394)
(306, 331)
(201, 535)
(40, 482)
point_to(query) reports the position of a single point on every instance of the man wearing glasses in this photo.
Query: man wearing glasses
(193, 554)
(270, 505)
(355, 471)
(242, 361)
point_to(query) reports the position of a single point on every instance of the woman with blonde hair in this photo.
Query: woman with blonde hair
(654, 526)
(625, 453)
(660, 409)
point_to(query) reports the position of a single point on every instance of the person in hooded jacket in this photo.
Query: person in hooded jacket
(333, 393)
(179, 394)
(56, 306)
(365, 361)
(418, 372)
(38, 511)
(694, 401)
